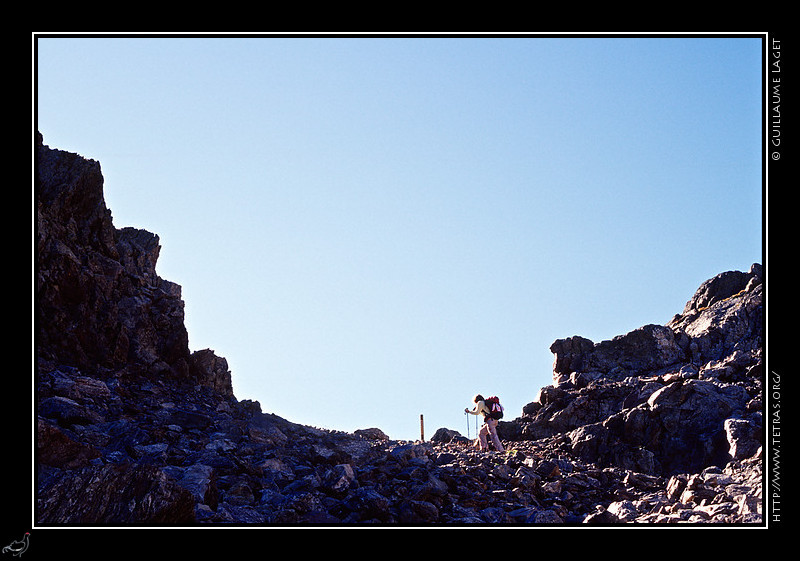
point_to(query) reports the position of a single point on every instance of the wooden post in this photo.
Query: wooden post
(421, 428)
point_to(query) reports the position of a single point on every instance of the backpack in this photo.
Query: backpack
(495, 409)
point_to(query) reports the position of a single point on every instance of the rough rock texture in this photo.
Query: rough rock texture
(666, 398)
(661, 425)
(100, 304)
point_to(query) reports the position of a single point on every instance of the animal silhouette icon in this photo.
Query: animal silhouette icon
(18, 547)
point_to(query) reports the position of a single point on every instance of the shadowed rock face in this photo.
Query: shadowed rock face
(659, 425)
(100, 305)
(645, 349)
(662, 399)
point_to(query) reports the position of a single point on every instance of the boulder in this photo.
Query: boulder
(645, 349)
(371, 434)
(114, 495)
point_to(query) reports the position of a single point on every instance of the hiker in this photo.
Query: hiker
(489, 425)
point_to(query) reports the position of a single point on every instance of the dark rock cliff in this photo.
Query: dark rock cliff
(662, 399)
(100, 304)
(660, 425)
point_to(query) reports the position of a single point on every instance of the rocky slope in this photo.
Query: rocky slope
(661, 425)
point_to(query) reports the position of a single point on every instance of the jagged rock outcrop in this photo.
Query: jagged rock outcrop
(645, 349)
(100, 304)
(662, 399)
(661, 425)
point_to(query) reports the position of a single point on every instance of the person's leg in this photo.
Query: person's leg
(492, 423)
(482, 437)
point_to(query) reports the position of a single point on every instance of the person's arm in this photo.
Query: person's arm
(479, 407)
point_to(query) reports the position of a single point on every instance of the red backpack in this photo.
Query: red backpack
(495, 409)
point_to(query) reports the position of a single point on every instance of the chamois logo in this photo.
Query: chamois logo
(18, 547)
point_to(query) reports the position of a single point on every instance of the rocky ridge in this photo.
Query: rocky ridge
(660, 425)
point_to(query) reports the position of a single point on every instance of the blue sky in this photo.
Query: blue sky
(370, 229)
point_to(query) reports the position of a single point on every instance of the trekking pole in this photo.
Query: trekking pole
(467, 417)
